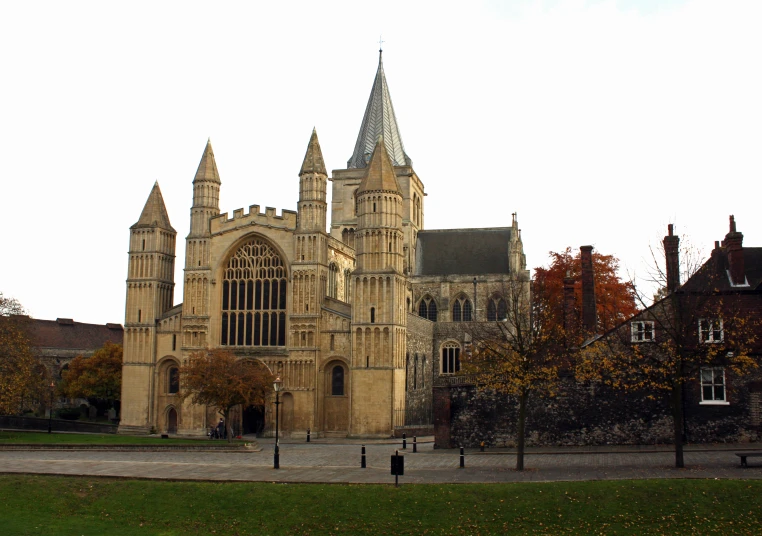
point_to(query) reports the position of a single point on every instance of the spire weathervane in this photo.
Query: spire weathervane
(380, 44)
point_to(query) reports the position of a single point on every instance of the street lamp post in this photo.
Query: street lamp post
(276, 385)
(50, 415)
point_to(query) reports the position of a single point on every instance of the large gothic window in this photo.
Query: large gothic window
(427, 308)
(496, 309)
(461, 310)
(254, 297)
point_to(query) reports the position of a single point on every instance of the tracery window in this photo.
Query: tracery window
(496, 309)
(254, 297)
(461, 310)
(173, 380)
(427, 308)
(450, 358)
(333, 280)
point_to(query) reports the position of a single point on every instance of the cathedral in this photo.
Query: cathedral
(359, 316)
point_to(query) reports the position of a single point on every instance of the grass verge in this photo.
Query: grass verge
(94, 439)
(61, 505)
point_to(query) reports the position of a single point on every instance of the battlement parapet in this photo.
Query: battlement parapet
(286, 220)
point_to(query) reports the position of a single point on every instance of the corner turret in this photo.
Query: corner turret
(313, 179)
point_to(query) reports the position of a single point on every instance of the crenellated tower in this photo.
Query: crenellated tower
(206, 204)
(379, 291)
(150, 290)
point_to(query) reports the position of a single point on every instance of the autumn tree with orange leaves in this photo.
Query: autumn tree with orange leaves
(24, 379)
(616, 299)
(218, 378)
(98, 376)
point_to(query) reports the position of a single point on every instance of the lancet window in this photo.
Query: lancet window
(496, 309)
(427, 308)
(333, 280)
(254, 297)
(461, 310)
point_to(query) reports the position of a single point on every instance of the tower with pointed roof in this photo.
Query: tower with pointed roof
(378, 310)
(150, 292)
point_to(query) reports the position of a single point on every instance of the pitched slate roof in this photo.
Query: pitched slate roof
(379, 120)
(463, 251)
(64, 333)
(713, 274)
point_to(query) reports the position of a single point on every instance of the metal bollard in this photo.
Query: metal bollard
(404, 441)
(415, 445)
(481, 446)
(462, 458)
(308, 435)
(362, 463)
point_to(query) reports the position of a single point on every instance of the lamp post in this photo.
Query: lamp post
(50, 415)
(276, 386)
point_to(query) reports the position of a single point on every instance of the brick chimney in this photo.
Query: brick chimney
(672, 256)
(734, 246)
(569, 308)
(589, 317)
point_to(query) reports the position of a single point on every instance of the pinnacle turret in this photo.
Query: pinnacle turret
(379, 119)
(380, 174)
(154, 212)
(207, 168)
(313, 159)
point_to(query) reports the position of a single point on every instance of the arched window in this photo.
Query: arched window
(347, 286)
(496, 309)
(450, 358)
(337, 381)
(427, 308)
(461, 309)
(254, 297)
(333, 280)
(173, 380)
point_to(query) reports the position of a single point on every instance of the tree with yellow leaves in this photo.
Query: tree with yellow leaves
(519, 355)
(23, 379)
(98, 376)
(218, 378)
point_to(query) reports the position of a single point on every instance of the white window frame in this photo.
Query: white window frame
(710, 379)
(639, 333)
(457, 352)
(711, 330)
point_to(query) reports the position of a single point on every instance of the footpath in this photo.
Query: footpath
(339, 461)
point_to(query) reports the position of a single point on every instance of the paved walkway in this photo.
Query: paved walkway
(338, 461)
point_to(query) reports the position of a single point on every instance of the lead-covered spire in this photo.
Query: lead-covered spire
(379, 120)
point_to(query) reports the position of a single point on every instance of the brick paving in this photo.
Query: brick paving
(338, 461)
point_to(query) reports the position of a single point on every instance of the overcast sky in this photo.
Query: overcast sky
(599, 122)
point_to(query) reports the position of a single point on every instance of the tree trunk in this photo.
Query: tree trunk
(676, 396)
(521, 426)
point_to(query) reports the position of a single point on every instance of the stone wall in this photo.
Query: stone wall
(582, 415)
(420, 370)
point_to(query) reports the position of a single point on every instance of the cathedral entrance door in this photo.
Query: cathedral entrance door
(172, 421)
(253, 420)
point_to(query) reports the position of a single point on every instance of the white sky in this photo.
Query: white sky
(597, 121)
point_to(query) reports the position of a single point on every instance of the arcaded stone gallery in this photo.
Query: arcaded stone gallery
(358, 316)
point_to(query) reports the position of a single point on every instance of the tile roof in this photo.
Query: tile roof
(64, 333)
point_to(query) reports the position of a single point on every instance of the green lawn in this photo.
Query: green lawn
(95, 439)
(61, 505)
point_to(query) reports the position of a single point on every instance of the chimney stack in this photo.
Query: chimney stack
(734, 245)
(672, 256)
(569, 309)
(589, 317)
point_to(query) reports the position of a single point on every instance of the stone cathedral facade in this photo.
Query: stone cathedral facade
(359, 315)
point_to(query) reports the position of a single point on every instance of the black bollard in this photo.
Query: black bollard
(308, 435)
(404, 441)
(481, 446)
(415, 445)
(362, 463)
(462, 458)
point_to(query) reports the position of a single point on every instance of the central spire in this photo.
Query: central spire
(379, 120)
